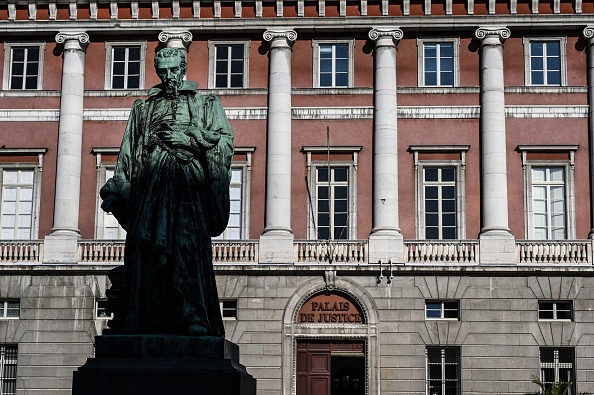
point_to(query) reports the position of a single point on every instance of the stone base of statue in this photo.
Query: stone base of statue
(163, 364)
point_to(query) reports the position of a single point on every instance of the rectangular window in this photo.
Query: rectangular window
(557, 365)
(443, 371)
(228, 64)
(111, 227)
(101, 310)
(333, 64)
(24, 67)
(229, 309)
(8, 368)
(438, 64)
(10, 308)
(548, 202)
(16, 203)
(439, 203)
(444, 310)
(439, 61)
(125, 65)
(544, 60)
(332, 203)
(555, 310)
(235, 224)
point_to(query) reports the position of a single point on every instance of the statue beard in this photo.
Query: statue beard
(172, 88)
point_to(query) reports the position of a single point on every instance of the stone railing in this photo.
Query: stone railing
(547, 251)
(441, 251)
(101, 251)
(333, 251)
(112, 251)
(235, 251)
(17, 251)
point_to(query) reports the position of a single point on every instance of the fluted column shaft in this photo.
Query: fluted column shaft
(589, 34)
(494, 201)
(385, 132)
(68, 171)
(278, 155)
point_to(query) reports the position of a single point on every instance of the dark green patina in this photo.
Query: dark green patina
(170, 192)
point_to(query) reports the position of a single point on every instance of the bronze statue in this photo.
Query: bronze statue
(170, 192)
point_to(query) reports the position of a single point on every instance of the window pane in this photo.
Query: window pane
(341, 174)
(119, 54)
(134, 53)
(236, 81)
(342, 80)
(431, 174)
(342, 51)
(553, 48)
(446, 50)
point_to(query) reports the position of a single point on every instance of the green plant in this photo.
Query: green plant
(560, 388)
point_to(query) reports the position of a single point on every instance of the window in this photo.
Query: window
(440, 178)
(549, 191)
(8, 367)
(443, 371)
(444, 310)
(17, 204)
(101, 310)
(228, 63)
(125, 65)
(555, 310)
(438, 62)
(545, 61)
(23, 66)
(235, 224)
(10, 308)
(332, 186)
(108, 227)
(229, 309)
(557, 365)
(333, 64)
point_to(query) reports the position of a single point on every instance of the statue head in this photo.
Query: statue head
(171, 66)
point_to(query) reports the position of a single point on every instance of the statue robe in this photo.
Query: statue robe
(171, 201)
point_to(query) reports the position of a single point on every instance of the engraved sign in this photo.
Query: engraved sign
(330, 308)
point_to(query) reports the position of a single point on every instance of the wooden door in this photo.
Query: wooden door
(313, 369)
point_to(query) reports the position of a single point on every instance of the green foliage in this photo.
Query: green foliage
(560, 388)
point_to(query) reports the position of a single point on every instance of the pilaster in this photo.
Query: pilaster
(61, 244)
(385, 240)
(276, 243)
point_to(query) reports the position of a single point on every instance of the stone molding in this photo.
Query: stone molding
(386, 36)
(76, 41)
(180, 39)
(492, 35)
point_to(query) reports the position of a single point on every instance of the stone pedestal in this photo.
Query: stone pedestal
(163, 364)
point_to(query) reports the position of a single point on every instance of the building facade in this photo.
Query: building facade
(411, 207)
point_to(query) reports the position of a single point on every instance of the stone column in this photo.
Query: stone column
(385, 241)
(180, 39)
(589, 35)
(494, 205)
(276, 243)
(61, 244)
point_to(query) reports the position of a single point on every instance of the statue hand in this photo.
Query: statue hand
(175, 139)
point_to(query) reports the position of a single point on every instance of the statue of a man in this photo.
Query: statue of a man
(170, 192)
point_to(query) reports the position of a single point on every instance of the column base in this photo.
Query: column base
(497, 247)
(385, 245)
(61, 247)
(276, 246)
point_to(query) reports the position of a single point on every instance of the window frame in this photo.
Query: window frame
(234, 309)
(455, 41)
(555, 310)
(351, 62)
(442, 310)
(569, 167)
(443, 363)
(4, 309)
(8, 47)
(556, 365)
(97, 316)
(460, 183)
(102, 168)
(8, 360)
(37, 170)
(527, 41)
(109, 46)
(312, 166)
(212, 58)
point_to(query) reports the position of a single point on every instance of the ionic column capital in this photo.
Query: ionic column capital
(280, 38)
(180, 39)
(492, 35)
(386, 36)
(589, 34)
(76, 41)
